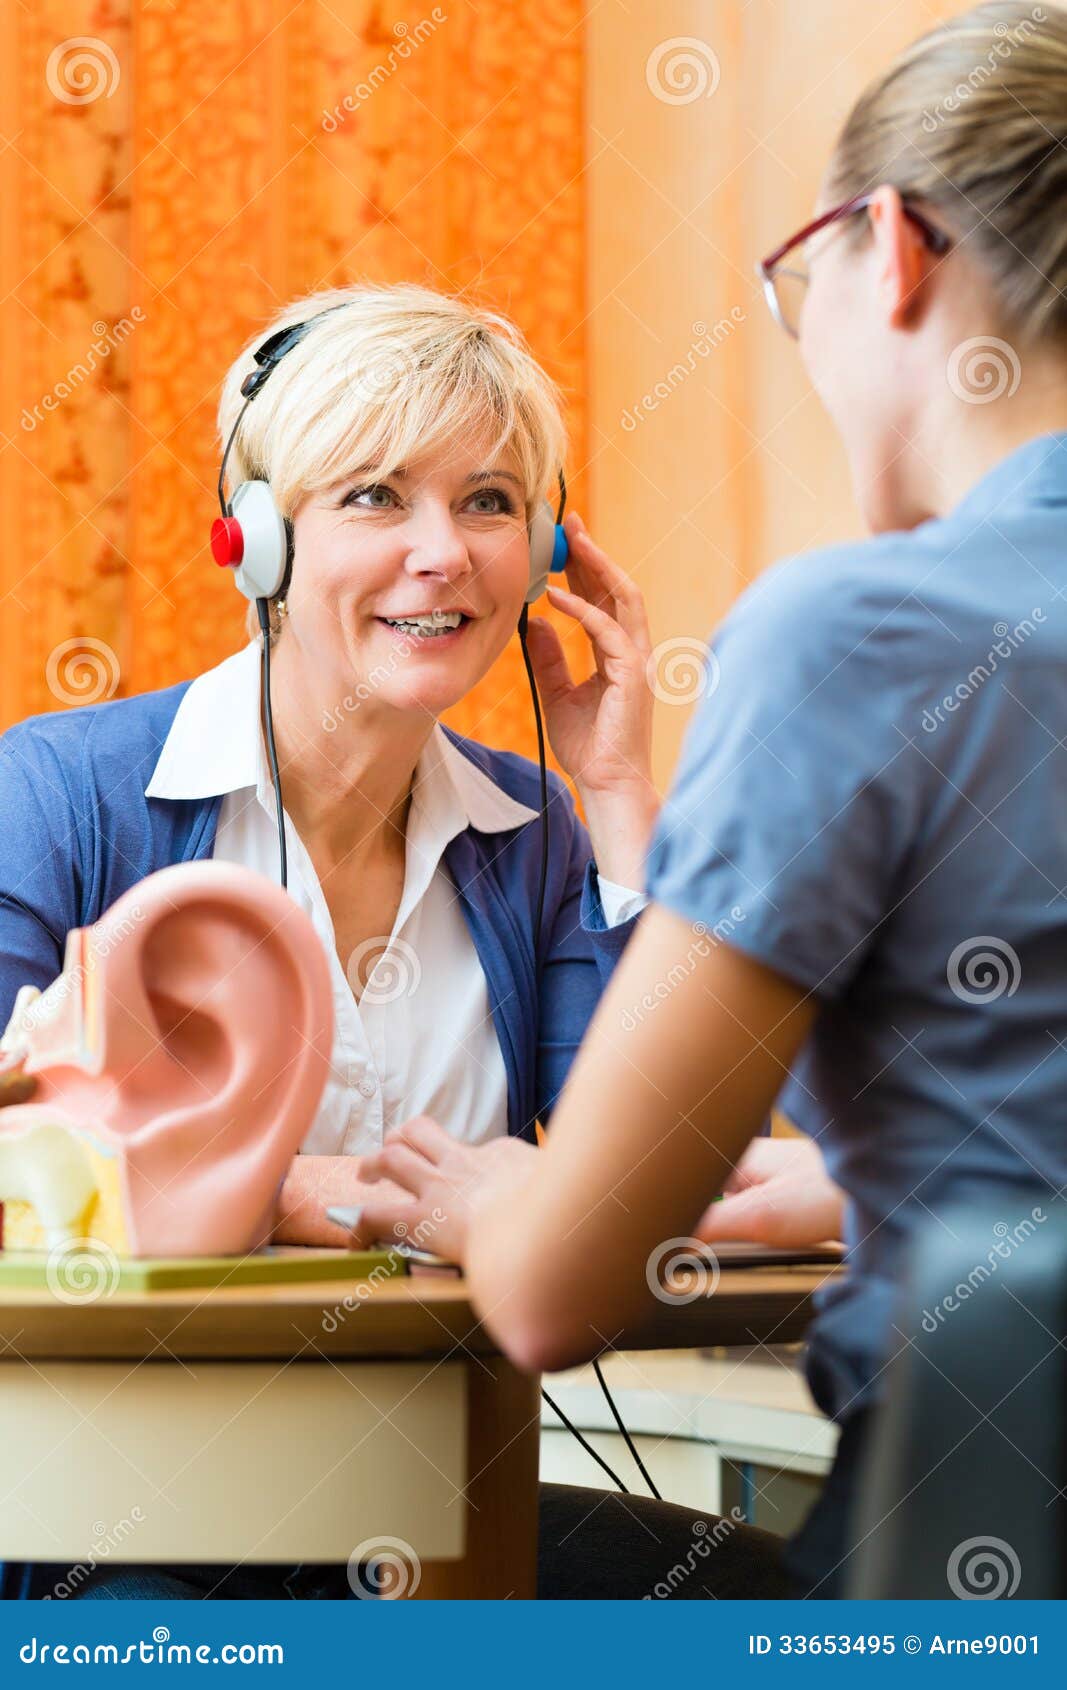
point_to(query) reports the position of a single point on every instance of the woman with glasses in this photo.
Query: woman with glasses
(875, 795)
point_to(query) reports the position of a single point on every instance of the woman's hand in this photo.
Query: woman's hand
(601, 728)
(779, 1194)
(441, 1184)
(314, 1184)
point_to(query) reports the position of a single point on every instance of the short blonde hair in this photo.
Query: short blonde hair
(399, 371)
(972, 120)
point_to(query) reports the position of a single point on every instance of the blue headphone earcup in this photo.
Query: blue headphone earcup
(548, 550)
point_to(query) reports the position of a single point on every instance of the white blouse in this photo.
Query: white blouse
(421, 1039)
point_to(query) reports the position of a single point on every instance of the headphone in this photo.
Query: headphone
(252, 538)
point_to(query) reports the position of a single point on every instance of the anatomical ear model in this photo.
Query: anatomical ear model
(154, 1095)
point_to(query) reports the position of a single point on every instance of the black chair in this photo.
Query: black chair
(964, 1484)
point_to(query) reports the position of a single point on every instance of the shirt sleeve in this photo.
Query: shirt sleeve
(796, 799)
(38, 866)
(619, 903)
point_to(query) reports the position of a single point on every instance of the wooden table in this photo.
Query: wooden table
(284, 1424)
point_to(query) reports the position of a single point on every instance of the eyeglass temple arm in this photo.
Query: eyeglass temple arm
(936, 239)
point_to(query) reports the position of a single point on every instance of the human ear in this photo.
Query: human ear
(900, 258)
(180, 1059)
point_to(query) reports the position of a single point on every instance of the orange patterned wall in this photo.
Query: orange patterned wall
(171, 175)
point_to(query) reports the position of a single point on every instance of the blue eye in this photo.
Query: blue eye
(504, 506)
(374, 487)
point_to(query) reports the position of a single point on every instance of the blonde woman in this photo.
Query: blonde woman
(874, 797)
(408, 439)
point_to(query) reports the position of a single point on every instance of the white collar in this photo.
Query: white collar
(215, 746)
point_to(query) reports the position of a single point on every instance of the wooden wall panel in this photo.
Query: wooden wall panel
(710, 122)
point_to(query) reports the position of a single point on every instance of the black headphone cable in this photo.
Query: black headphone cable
(543, 771)
(263, 611)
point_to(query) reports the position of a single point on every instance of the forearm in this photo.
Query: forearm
(620, 824)
(313, 1184)
(647, 1128)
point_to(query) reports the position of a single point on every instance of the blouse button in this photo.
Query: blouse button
(367, 1088)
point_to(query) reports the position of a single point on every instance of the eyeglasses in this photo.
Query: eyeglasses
(784, 288)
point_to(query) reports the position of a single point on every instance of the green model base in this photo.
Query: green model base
(277, 1265)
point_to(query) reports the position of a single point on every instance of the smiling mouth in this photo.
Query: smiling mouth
(433, 625)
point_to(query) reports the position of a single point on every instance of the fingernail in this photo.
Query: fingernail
(342, 1215)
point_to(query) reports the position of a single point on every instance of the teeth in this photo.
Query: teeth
(438, 622)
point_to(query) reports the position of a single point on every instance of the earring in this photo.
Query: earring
(282, 608)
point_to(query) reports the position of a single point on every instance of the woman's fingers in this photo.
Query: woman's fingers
(386, 1220)
(790, 1208)
(608, 637)
(581, 578)
(746, 1217)
(610, 582)
(423, 1134)
(548, 661)
(398, 1162)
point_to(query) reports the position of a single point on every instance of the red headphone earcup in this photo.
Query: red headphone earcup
(254, 541)
(227, 542)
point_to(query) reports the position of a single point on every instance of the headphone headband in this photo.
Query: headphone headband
(259, 546)
(274, 348)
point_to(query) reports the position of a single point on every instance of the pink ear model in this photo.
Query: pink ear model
(180, 1059)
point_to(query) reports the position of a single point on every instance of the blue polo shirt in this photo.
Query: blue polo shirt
(873, 797)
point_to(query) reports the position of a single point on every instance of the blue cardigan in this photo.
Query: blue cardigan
(76, 831)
